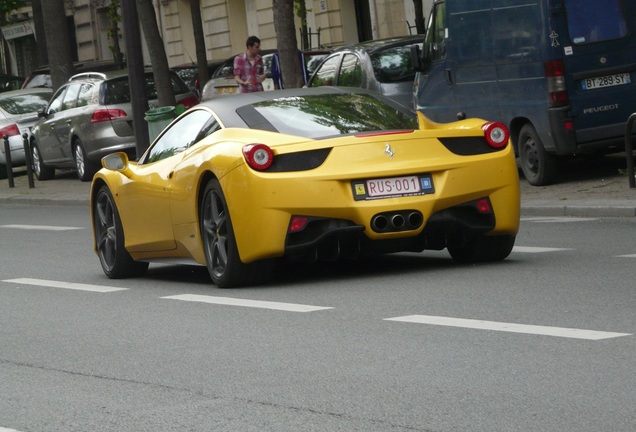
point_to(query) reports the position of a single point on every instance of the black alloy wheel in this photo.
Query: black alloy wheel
(109, 239)
(482, 249)
(221, 251)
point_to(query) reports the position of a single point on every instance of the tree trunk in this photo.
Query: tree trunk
(199, 42)
(420, 22)
(58, 41)
(158, 57)
(287, 45)
(40, 35)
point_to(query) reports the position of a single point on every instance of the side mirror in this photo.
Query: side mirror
(115, 161)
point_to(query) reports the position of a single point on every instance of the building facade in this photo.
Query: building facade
(226, 24)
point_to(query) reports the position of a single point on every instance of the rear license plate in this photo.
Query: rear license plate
(392, 187)
(606, 81)
(229, 89)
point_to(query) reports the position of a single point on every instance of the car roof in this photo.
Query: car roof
(33, 90)
(225, 107)
(380, 44)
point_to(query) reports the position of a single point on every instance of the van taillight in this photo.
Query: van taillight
(555, 75)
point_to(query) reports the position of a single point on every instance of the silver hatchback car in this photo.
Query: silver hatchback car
(89, 117)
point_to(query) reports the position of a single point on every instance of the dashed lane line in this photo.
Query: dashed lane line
(41, 227)
(532, 249)
(557, 219)
(509, 327)
(228, 301)
(66, 285)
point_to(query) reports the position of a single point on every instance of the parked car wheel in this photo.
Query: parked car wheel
(483, 249)
(109, 239)
(42, 172)
(85, 168)
(538, 166)
(221, 252)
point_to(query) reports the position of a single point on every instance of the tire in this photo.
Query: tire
(84, 167)
(219, 243)
(42, 172)
(483, 249)
(109, 239)
(538, 166)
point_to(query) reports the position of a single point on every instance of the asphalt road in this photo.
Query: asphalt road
(409, 342)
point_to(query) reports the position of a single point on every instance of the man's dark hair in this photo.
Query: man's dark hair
(252, 40)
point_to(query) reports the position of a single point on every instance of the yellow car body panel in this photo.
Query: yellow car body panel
(159, 202)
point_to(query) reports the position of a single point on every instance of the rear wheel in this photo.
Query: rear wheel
(538, 166)
(221, 251)
(85, 168)
(483, 249)
(42, 172)
(109, 239)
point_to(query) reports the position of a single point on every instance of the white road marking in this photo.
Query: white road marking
(66, 285)
(531, 249)
(8, 430)
(509, 327)
(289, 307)
(41, 227)
(556, 219)
(626, 256)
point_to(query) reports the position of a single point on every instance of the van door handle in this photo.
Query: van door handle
(449, 77)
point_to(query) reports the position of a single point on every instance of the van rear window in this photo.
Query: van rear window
(595, 20)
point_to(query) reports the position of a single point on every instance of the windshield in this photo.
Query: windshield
(319, 116)
(595, 20)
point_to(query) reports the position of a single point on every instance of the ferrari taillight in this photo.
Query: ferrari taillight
(298, 223)
(483, 206)
(258, 156)
(10, 130)
(497, 134)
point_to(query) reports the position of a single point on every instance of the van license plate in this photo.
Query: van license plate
(606, 81)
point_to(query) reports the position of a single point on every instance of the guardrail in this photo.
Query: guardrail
(27, 160)
(629, 150)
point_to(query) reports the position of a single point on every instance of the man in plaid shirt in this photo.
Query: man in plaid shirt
(249, 71)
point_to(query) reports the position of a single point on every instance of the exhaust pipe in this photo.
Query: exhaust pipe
(397, 221)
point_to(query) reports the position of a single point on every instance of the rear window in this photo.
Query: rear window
(28, 103)
(592, 21)
(318, 116)
(117, 90)
(393, 64)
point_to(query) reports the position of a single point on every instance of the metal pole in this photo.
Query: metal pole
(629, 151)
(7, 157)
(27, 159)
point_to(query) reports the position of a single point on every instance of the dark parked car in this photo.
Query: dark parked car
(89, 117)
(189, 73)
(382, 65)
(10, 82)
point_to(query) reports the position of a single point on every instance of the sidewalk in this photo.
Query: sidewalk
(603, 192)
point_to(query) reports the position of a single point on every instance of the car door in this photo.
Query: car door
(146, 202)
(44, 132)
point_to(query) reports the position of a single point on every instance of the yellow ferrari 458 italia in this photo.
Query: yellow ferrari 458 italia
(242, 182)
